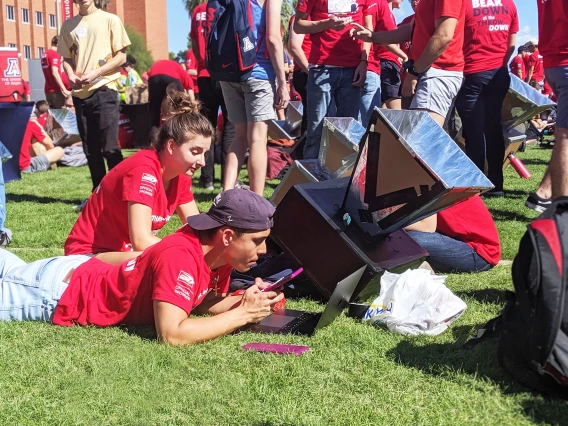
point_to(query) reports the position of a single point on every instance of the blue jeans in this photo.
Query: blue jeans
(4, 156)
(324, 85)
(449, 255)
(30, 292)
(479, 105)
(370, 97)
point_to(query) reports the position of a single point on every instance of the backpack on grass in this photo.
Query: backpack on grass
(231, 45)
(533, 328)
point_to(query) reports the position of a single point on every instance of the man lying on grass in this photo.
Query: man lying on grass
(186, 271)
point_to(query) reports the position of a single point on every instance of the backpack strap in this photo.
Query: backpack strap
(489, 331)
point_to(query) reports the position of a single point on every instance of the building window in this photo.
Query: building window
(27, 52)
(10, 13)
(39, 19)
(52, 21)
(40, 52)
(12, 45)
(26, 16)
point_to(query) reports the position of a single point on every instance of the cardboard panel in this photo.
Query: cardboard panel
(303, 171)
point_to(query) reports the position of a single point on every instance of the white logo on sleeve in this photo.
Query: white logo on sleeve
(148, 184)
(184, 285)
(130, 265)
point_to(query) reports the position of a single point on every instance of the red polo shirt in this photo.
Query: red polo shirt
(427, 12)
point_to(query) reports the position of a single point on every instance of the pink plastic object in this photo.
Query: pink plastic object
(284, 280)
(276, 348)
(519, 167)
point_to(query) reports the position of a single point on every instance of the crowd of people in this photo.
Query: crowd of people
(348, 58)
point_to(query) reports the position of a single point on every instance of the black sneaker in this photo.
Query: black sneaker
(5, 237)
(537, 203)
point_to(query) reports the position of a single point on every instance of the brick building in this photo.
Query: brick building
(29, 25)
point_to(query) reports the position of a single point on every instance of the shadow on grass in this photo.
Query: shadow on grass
(147, 333)
(535, 162)
(509, 215)
(450, 359)
(488, 295)
(28, 198)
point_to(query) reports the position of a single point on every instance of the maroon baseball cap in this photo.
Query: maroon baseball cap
(239, 208)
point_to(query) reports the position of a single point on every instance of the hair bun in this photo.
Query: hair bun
(180, 102)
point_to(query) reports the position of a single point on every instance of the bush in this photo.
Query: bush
(138, 49)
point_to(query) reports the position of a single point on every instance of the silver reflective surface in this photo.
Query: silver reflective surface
(433, 170)
(66, 119)
(340, 140)
(522, 103)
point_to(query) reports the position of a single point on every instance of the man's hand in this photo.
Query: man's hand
(336, 23)
(257, 304)
(65, 92)
(360, 74)
(282, 97)
(409, 86)
(403, 59)
(75, 81)
(361, 33)
(90, 76)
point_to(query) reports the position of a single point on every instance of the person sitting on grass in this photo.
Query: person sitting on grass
(188, 271)
(138, 197)
(461, 238)
(38, 153)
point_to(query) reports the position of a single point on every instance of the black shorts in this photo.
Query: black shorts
(390, 80)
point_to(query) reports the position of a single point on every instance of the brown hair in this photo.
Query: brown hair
(183, 119)
(55, 41)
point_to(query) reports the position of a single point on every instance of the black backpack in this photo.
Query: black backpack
(231, 45)
(533, 328)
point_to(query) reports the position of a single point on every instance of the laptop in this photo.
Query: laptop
(289, 321)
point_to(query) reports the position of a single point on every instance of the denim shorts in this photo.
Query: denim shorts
(30, 292)
(557, 77)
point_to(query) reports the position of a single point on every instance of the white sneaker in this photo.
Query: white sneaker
(5, 237)
(81, 206)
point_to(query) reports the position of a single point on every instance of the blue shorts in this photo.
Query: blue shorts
(558, 79)
(30, 292)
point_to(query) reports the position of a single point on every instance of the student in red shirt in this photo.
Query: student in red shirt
(338, 64)
(461, 238)
(299, 46)
(405, 47)
(435, 69)
(160, 76)
(35, 134)
(553, 36)
(187, 272)
(191, 68)
(517, 65)
(382, 83)
(535, 69)
(488, 45)
(57, 88)
(138, 197)
(211, 94)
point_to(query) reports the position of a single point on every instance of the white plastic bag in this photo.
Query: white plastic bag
(415, 302)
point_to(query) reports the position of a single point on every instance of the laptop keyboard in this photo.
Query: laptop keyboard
(300, 321)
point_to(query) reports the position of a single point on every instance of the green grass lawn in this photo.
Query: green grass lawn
(354, 374)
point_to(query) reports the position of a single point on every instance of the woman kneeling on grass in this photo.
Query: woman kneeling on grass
(188, 271)
(138, 197)
(461, 238)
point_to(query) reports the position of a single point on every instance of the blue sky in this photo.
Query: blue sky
(178, 22)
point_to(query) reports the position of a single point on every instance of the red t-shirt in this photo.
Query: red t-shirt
(518, 64)
(173, 69)
(103, 224)
(52, 59)
(330, 47)
(306, 44)
(486, 36)
(553, 32)
(199, 34)
(383, 20)
(471, 222)
(172, 270)
(536, 61)
(427, 12)
(33, 131)
(191, 64)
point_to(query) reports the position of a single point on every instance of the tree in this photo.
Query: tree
(138, 49)
(190, 5)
